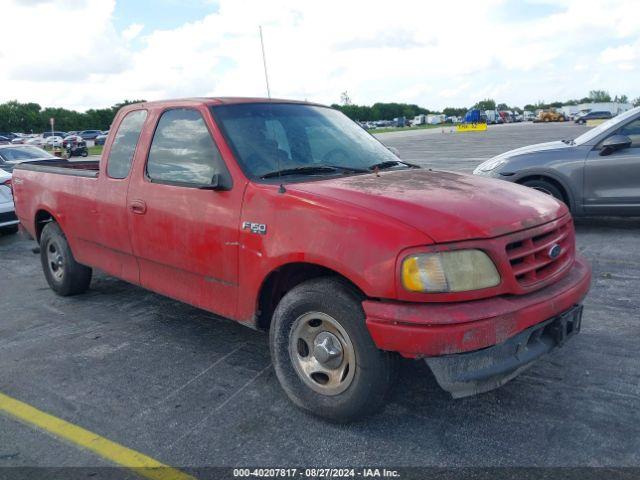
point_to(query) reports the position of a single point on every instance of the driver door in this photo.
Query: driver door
(612, 182)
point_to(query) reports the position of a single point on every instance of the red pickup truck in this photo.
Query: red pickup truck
(290, 218)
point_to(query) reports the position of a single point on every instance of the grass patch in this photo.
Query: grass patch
(95, 150)
(404, 129)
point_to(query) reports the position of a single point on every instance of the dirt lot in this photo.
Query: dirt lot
(192, 390)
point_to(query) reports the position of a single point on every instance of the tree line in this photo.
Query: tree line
(32, 118)
(387, 111)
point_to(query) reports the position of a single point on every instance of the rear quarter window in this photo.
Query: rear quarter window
(124, 144)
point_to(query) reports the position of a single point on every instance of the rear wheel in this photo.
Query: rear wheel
(64, 275)
(545, 186)
(323, 354)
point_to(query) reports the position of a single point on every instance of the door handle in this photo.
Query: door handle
(138, 207)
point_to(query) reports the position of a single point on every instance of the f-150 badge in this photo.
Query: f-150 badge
(259, 228)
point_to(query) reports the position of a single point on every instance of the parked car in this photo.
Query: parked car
(90, 134)
(8, 135)
(102, 138)
(602, 115)
(8, 219)
(11, 155)
(38, 141)
(54, 134)
(53, 141)
(4, 141)
(72, 139)
(597, 173)
(346, 254)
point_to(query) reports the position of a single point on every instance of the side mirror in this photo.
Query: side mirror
(217, 183)
(613, 143)
(394, 150)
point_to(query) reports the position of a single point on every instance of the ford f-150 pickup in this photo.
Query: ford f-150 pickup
(288, 217)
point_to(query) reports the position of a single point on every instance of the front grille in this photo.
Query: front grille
(529, 257)
(8, 217)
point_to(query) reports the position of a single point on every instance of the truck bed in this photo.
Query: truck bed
(84, 168)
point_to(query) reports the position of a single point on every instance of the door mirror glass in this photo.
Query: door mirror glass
(613, 143)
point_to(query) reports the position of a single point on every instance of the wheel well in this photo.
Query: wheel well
(42, 218)
(552, 181)
(282, 280)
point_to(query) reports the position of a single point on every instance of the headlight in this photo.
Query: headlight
(491, 164)
(453, 271)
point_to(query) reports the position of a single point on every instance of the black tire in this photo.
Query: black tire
(545, 186)
(64, 275)
(374, 371)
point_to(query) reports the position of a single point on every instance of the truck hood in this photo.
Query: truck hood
(446, 206)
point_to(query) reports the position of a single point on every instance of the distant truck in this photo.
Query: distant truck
(492, 116)
(289, 218)
(419, 120)
(551, 116)
(475, 116)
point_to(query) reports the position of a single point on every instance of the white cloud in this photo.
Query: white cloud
(433, 54)
(132, 31)
(625, 57)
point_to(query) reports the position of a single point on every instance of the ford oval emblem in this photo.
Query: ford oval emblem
(555, 251)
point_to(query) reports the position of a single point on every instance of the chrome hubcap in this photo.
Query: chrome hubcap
(55, 260)
(322, 353)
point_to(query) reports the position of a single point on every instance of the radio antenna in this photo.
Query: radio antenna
(264, 62)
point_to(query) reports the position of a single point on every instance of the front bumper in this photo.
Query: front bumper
(470, 373)
(418, 330)
(8, 219)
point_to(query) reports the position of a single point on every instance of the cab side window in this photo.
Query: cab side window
(632, 130)
(183, 152)
(124, 144)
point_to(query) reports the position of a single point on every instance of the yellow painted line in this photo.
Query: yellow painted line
(118, 454)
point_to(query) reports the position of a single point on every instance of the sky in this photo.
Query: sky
(84, 54)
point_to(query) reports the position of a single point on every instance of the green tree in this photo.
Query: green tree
(31, 118)
(636, 102)
(502, 106)
(486, 104)
(455, 111)
(599, 96)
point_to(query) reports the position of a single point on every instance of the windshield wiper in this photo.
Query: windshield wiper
(391, 163)
(312, 169)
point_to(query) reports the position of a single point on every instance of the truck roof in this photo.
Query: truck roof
(217, 101)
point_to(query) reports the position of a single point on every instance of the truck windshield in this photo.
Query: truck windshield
(305, 139)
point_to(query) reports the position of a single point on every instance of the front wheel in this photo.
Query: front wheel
(64, 275)
(545, 187)
(323, 354)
